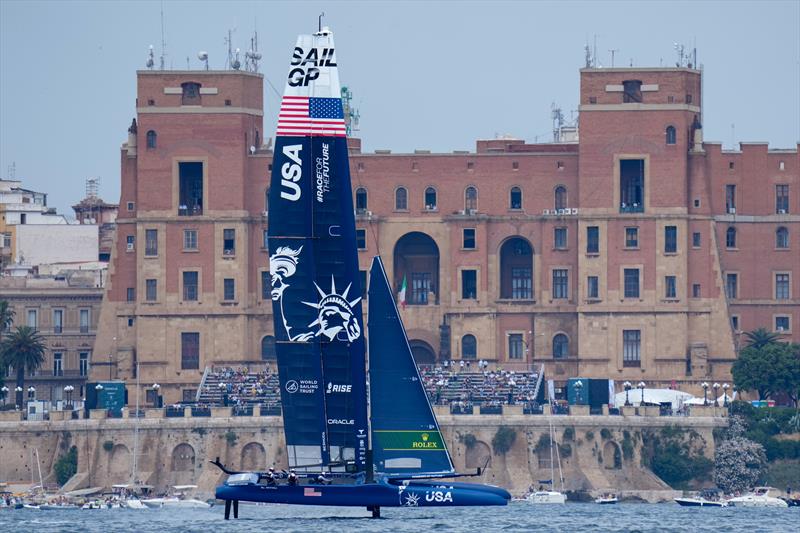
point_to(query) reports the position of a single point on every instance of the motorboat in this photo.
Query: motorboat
(760, 497)
(706, 498)
(134, 503)
(546, 496)
(606, 499)
(177, 499)
(58, 507)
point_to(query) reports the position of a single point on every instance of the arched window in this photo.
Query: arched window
(730, 238)
(515, 199)
(430, 198)
(781, 238)
(190, 94)
(469, 347)
(471, 199)
(268, 352)
(671, 135)
(401, 199)
(361, 200)
(561, 197)
(152, 139)
(560, 346)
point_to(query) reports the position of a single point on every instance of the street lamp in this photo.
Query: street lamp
(18, 390)
(641, 388)
(155, 387)
(578, 385)
(725, 388)
(705, 392)
(68, 391)
(628, 387)
(4, 390)
(31, 393)
(715, 386)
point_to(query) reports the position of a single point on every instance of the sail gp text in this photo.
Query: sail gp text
(306, 65)
(323, 173)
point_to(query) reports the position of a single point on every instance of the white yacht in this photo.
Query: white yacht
(546, 496)
(760, 497)
(542, 496)
(706, 498)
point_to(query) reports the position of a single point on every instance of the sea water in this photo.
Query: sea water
(518, 516)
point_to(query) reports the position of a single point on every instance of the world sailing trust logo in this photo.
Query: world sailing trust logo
(334, 311)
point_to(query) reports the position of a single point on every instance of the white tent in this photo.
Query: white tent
(700, 401)
(654, 396)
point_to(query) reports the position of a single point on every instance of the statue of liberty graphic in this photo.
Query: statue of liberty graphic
(334, 311)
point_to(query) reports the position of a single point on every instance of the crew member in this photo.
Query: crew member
(271, 477)
(292, 477)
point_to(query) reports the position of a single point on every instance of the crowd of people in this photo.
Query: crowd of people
(240, 386)
(460, 385)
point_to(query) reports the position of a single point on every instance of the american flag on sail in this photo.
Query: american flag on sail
(304, 116)
(311, 492)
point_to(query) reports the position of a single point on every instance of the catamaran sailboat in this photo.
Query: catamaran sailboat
(391, 453)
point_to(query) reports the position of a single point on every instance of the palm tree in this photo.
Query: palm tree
(758, 338)
(24, 350)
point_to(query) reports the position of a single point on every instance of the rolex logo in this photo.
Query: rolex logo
(425, 437)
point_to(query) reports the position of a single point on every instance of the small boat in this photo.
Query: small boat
(134, 503)
(58, 507)
(546, 496)
(706, 498)
(606, 499)
(30, 506)
(177, 499)
(760, 497)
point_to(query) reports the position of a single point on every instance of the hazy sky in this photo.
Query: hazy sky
(428, 75)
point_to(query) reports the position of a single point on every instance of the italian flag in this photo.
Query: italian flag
(401, 296)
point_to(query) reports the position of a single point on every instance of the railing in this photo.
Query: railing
(201, 411)
(202, 383)
(456, 409)
(174, 412)
(532, 409)
(243, 410)
(271, 410)
(491, 409)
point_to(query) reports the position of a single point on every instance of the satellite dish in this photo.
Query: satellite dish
(252, 149)
(202, 55)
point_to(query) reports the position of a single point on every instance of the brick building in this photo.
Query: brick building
(636, 253)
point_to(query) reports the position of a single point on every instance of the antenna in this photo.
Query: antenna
(320, 20)
(202, 55)
(351, 114)
(587, 55)
(236, 63)
(613, 51)
(150, 60)
(163, 38)
(92, 187)
(229, 41)
(251, 57)
(12, 170)
(558, 121)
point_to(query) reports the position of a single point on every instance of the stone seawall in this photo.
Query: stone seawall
(597, 452)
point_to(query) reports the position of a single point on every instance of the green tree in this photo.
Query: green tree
(23, 349)
(758, 338)
(66, 466)
(769, 369)
(6, 317)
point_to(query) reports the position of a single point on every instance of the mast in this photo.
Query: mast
(136, 429)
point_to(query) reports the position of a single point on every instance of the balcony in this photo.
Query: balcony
(632, 208)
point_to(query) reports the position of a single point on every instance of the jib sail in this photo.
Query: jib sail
(316, 290)
(405, 435)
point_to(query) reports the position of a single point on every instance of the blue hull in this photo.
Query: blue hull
(417, 494)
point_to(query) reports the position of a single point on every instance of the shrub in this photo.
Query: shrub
(590, 435)
(231, 437)
(739, 464)
(627, 448)
(67, 465)
(468, 440)
(569, 434)
(565, 450)
(503, 440)
(108, 445)
(605, 434)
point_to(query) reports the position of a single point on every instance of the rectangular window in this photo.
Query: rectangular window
(560, 238)
(266, 286)
(228, 241)
(189, 395)
(782, 199)
(515, 346)
(631, 348)
(361, 239)
(696, 290)
(362, 274)
(696, 239)
(631, 184)
(631, 282)
(130, 243)
(58, 320)
(670, 239)
(420, 287)
(560, 283)
(33, 318)
(151, 290)
(632, 237)
(190, 183)
(190, 239)
(131, 294)
(592, 287)
(150, 242)
(83, 363)
(730, 198)
(782, 287)
(190, 351)
(130, 206)
(521, 284)
(229, 289)
(469, 284)
(732, 285)
(468, 239)
(190, 286)
(265, 240)
(670, 288)
(58, 364)
(735, 322)
(592, 240)
(782, 323)
(84, 320)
